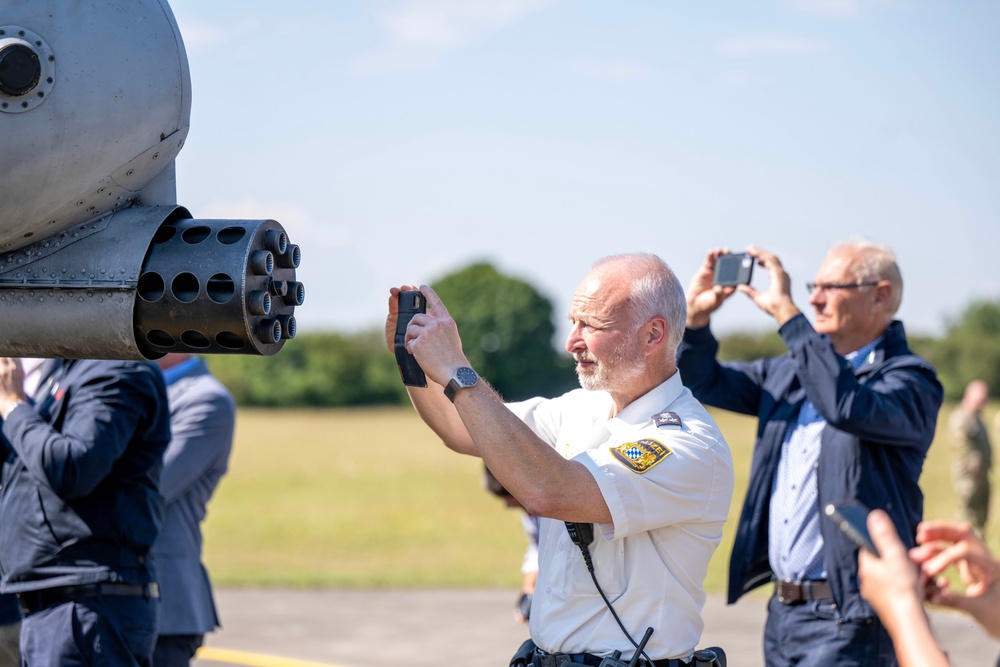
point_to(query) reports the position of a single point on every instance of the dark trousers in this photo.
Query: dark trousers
(813, 634)
(175, 650)
(116, 631)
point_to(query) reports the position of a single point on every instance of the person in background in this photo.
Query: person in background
(202, 421)
(897, 582)
(87, 455)
(849, 413)
(10, 610)
(529, 564)
(972, 456)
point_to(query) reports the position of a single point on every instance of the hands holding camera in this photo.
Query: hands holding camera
(705, 295)
(432, 337)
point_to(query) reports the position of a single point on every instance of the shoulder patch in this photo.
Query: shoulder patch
(662, 419)
(642, 455)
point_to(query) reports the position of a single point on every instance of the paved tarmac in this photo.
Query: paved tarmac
(467, 628)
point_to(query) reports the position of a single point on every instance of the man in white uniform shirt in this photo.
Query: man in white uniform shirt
(632, 452)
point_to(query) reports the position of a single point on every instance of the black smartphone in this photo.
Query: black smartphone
(411, 302)
(852, 519)
(733, 269)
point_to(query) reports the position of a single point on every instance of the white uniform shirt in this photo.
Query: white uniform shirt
(668, 487)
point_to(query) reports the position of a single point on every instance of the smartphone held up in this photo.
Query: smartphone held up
(410, 302)
(733, 269)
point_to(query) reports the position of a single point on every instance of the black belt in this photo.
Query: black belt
(543, 659)
(797, 592)
(32, 601)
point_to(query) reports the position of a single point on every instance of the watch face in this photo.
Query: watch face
(466, 376)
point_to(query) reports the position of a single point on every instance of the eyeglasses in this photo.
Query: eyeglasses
(823, 287)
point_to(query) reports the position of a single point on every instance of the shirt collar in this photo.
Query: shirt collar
(640, 410)
(177, 371)
(864, 355)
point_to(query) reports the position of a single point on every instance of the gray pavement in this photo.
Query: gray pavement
(472, 628)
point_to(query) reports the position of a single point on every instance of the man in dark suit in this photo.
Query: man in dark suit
(202, 419)
(80, 508)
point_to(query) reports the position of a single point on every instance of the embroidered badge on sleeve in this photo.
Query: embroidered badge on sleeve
(641, 456)
(665, 419)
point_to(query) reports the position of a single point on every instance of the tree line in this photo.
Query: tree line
(507, 327)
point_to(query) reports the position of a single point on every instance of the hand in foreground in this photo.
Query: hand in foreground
(431, 337)
(892, 585)
(11, 383)
(777, 300)
(704, 298)
(945, 543)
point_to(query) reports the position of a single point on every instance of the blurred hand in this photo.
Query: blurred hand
(945, 543)
(704, 298)
(890, 583)
(11, 383)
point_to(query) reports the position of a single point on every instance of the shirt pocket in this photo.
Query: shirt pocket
(569, 574)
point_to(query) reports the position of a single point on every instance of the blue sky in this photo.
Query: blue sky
(400, 140)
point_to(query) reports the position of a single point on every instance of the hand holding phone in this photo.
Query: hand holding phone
(852, 519)
(411, 302)
(733, 269)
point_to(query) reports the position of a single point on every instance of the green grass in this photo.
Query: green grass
(371, 498)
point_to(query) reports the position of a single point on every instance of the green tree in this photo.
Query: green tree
(970, 349)
(315, 370)
(507, 330)
(749, 346)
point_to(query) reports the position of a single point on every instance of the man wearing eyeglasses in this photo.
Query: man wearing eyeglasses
(848, 413)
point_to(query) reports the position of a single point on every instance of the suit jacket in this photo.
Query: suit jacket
(79, 500)
(880, 423)
(202, 420)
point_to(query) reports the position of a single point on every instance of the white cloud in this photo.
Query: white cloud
(418, 33)
(612, 70)
(829, 7)
(201, 36)
(298, 223)
(742, 79)
(769, 45)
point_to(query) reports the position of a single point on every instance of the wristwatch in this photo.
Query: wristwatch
(464, 377)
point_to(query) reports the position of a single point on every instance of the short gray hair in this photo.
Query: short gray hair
(656, 292)
(875, 262)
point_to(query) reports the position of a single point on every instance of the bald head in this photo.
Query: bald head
(647, 287)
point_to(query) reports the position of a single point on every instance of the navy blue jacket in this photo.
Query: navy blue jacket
(10, 610)
(880, 424)
(79, 502)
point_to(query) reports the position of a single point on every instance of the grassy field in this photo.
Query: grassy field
(370, 498)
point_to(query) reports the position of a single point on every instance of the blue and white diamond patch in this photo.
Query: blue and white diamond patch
(642, 455)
